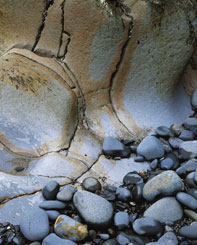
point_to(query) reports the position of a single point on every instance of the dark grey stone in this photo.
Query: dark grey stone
(104, 236)
(163, 131)
(124, 194)
(53, 239)
(66, 193)
(91, 184)
(133, 238)
(189, 180)
(50, 190)
(188, 232)
(153, 164)
(187, 167)
(188, 149)
(165, 209)
(95, 210)
(150, 148)
(114, 148)
(194, 99)
(187, 200)
(139, 159)
(110, 242)
(175, 142)
(121, 220)
(34, 224)
(52, 214)
(169, 238)
(52, 205)
(192, 192)
(186, 135)
(132, 179)
(191, 124)
(132, 217)
(137, 192)
(122, 240)
(147, 226)
(170, 162)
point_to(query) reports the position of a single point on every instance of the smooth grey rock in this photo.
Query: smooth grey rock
(194, 99)
(187, 200)
(132, 178)
(165, 209)
(188, 232)
(135, 239)
(114, 148)
(34, 224)
(121, 220)
(189, 180)
(153, 164)
(191, 124)
(175, 142)
(91, 184)
(137, 192)
(66, 193)
(52, 214)
(124, 194)
(169, 238)
(188, 149)
(167, 163)
(95, 210)
(68, 228)
(52, 205)
(139, 159)
(187, 167)
(147, 226)
(186, 135)
(150, 148)
(50, 190)
(163, 131)
(110, 242)
(192, 192)
(53, 239)
(166, 183)
(191, 214)
(122, 240)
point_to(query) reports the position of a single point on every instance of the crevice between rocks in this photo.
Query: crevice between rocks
(44, 16)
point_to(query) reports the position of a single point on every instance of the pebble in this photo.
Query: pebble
(175, 142)
(50, 190)
(122, 240)
(124, 194)
(137, 192)
(186, 135)
(139, 159)
(163, 131)
(189, 180)
(110, 242)
(188, 149)
(104, 236)
(192, 192)
(167, 163)
(187, 167)
(66, 193)
(53, 239)
(91, 184)
(194, 99)
(133, 238)
(95, 210)
(176, 128)
(121, 220)
(34, 224)
(132, 179)
(187, 200)
(150, 148)
(191, 124)
(191, 214)
(52, 204)
(114, 148)
(165, 183)
(147, 226)
(154, 164)
(52, 214)
(165, 209)
(132, 217)
(169, 238)
(66, 227)
(188, 232)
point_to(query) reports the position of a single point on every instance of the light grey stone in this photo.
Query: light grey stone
(53, 239)
(188, 149)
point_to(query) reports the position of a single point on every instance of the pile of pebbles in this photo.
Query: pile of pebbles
(157, 207)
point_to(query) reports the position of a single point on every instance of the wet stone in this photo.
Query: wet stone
(53, 239)
(163, 131)
(187, 200)
(150, 148)
(50, 190)
(121, 220)
(114, 148)
(91, 184)
(66, 193)
(34, 224)
(137, 192)
(186, 135)
(195, 177)
(124, 194)
(132, 178)
(66, 227)
(52, 205)
(147, 226)
(175, 142)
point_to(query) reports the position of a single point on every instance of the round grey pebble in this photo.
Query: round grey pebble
(187, 200)
(50, 190)
(154, 164)
(188, 232)
(167, 163)
(34, 224)
(53, 239)
(91, 184)
(122, 240)
(52, 214)
(191, 124)
(175, 142)
(186, 135)
(132, 179)
(187, 167)
(139, 159)
(192, 192)
(163, 131)
(52, 205)
(147, 226)
(66, 193)
(121, 220)
(124, 194)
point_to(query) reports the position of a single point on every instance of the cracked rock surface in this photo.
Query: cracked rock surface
(72, 73)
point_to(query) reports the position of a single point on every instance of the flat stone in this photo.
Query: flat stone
(147, 226)
(66, 193)
(114, 148)
(50, 190)
(188, 149)
(191, 214)
(95, 210)
(194, 99)
(52, 239)
(68, 228)
(163, 131)
(175, 142)
(150, 148)
(187, 167)
(166, 183)
(165, 209)
(52, 204)
(34, 133)
(121, 220)
(187, 200)
(188, 232)
(132, 179)
(34, 224)
(186, 135)
(191, 124)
